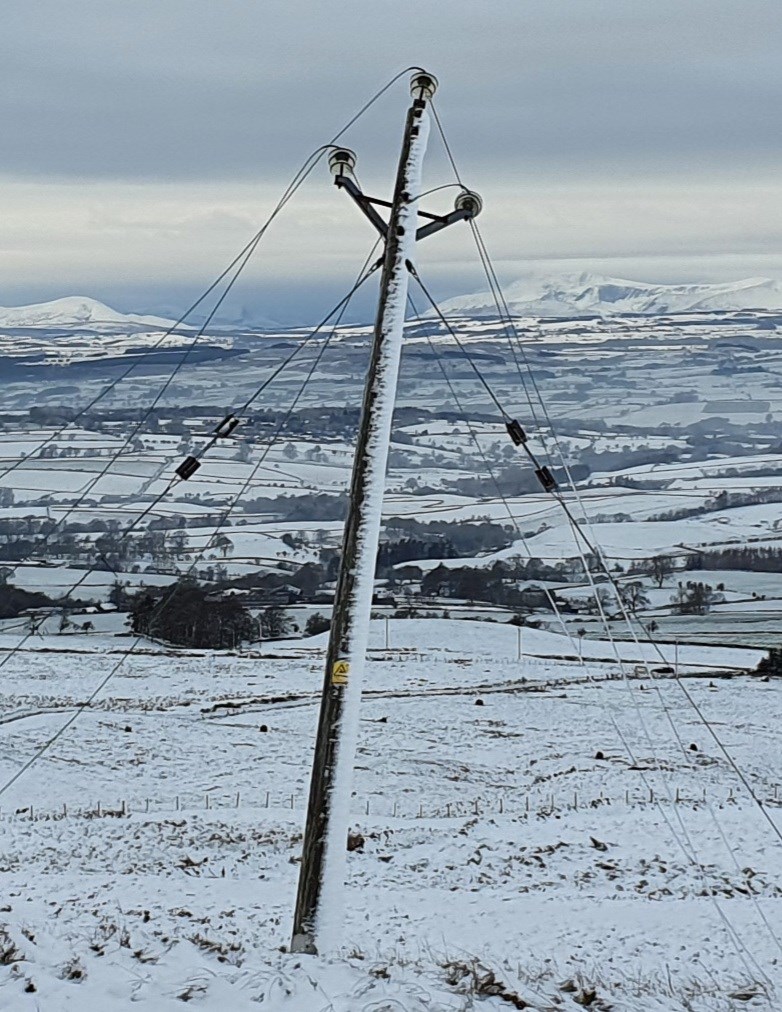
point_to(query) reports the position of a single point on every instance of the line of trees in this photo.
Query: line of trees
(764, 559)
(693, 598)
(190, 616)
(495, 585)
(724, 501)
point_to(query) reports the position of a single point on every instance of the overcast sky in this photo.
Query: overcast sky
(143, 142)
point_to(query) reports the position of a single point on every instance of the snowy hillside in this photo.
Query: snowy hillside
(75, 310)
(594, 294)
(509, 850)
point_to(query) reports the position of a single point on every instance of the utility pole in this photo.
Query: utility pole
(322, 873)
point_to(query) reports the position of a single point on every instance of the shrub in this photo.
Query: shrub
(316, 623)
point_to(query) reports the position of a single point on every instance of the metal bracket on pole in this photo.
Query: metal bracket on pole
(468, 204)
(365, 204)
(440, 222)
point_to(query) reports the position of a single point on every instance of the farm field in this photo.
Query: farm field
(514, 822)
(540, 817)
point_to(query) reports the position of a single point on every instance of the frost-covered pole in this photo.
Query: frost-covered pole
(322, 875)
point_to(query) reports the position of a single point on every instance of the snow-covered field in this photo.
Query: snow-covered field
(538, 820)
(517, 834)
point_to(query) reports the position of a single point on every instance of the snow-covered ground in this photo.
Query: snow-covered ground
(517, 833)
(552, 832)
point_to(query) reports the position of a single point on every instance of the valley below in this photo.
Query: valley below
(567, 785)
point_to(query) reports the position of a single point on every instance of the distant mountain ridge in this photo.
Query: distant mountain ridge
(74, 311)
(566, 295)
(597, 295)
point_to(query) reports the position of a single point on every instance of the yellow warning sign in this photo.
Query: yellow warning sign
(339, 672)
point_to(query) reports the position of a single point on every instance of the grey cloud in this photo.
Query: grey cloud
(129, 132)
(229, 89)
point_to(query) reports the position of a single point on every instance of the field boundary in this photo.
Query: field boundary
(537, 804)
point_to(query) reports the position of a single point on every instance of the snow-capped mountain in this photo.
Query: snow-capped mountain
(74, 311)
(596, 295)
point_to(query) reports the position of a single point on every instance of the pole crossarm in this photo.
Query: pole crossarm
(468, 206)
(364, 203)
(440, 222)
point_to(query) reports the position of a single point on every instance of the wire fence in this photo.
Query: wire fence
(539, 804)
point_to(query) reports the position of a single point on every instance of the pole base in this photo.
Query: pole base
(304, 943)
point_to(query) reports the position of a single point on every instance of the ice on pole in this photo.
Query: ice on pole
(327, 927)
(318, 911)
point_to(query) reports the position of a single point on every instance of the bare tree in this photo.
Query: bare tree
(661, 567)
(224, 545)
(693, 598)
(600, 601)
(634, 596)
(274, 622)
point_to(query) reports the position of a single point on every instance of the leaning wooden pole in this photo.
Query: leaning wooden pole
(322, 875)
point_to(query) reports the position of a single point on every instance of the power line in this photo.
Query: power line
(655, 682)
(459, 344)
(687, 845)
(246, 251)
(340, 309)
(298, 179)
(504, 310)
(341, 305)
(489, 470)
(208, 544)
(502, 305)
(242, 263)
(446, 145)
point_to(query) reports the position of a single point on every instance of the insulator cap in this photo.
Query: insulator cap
(423, 85)
(226, 427)
(342, 160)
(469, 200)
